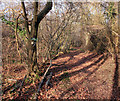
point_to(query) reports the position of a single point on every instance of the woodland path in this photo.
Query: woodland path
(78, 75)
(84, 76)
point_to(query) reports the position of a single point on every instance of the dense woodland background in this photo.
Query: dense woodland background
(90, 27)
(67, 25)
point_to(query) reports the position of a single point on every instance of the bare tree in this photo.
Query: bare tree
(32, 33)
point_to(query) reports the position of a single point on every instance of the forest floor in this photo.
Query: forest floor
(76, 75)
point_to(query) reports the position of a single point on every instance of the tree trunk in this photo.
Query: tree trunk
(32, 35)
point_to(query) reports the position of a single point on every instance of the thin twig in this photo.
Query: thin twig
(116, 33)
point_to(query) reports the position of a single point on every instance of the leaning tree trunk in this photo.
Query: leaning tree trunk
(32, 33)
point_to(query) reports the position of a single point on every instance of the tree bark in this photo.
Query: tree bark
(16, 26)
(32, 35)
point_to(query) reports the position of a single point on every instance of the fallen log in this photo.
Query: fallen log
(48, 81)
(42, 81)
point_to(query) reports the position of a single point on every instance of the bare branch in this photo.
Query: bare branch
(42, 14)
(25, 16)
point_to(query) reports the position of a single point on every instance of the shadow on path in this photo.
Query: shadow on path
(75, 86)
(64, 67)
(84, 69)
(116, 89)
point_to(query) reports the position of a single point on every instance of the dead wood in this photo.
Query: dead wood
(48, 81)
(42, 81)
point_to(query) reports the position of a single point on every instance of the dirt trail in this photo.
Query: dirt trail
(76, 75)
(82, 76)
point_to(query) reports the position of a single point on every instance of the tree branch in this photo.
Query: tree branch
(34, 22)
(46, 9)
(25, 16)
